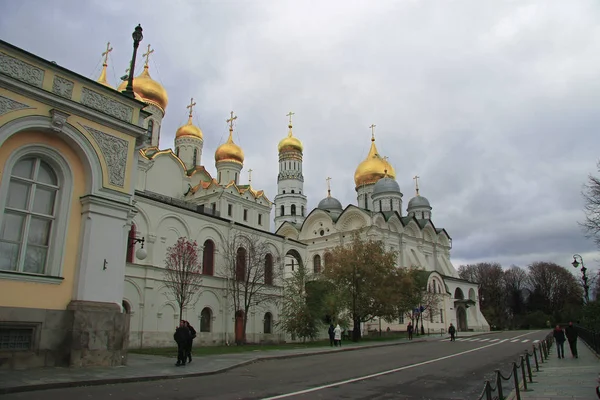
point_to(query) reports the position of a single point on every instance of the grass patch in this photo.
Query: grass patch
(215, 350)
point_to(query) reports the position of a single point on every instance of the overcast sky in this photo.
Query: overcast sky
(494, 104)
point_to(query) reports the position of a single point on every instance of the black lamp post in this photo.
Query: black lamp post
(584, 277)
(137, 38)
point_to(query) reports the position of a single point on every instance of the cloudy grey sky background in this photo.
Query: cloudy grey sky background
(494, 104)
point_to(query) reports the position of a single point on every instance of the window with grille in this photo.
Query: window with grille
(29, 215)
(16, 339)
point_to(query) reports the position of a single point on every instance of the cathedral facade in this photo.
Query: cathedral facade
(120, 201)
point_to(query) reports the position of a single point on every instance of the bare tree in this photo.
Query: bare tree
(182, 274)
(517, 292)
(251, 271)
(490, 277)
(591, 195)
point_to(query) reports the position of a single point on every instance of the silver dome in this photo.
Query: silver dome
(418, 202)
(330, 203)
(386, 185)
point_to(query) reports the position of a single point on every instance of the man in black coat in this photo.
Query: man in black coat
(452, 332)
(571, 333)
(182, 338)
(188, 350)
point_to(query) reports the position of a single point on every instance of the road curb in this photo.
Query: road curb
(112, 381)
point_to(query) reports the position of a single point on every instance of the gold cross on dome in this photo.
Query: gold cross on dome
(230, 121)
(416, 178)
(108, 50)
(372, 131)
(250, 175)
(191, 106)
(147, 55)
(290, 115)
(328, 186)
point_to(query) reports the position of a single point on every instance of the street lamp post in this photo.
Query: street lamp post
(137, 38)
(586, 287)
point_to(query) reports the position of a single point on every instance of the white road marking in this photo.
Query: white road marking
(536, 340)
(391, 371)
(525, 341)
(515, 340)
(504, 340)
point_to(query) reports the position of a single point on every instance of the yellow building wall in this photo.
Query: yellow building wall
(45, 295)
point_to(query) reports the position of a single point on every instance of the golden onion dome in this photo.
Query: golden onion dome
(229, 151)
(373, 168)
(149, 90)
(102, 78)
(290, 142)
(190, 129)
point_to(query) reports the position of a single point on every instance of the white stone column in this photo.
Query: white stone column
(103, 245)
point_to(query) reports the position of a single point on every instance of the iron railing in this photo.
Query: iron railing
(520, 374)
(590, 337)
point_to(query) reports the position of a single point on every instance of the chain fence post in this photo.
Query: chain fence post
(515, 374)
(499, 385)
(537, 365)
(528, 366)
(488, 391)
(523, 373)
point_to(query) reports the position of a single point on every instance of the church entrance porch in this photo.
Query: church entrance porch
(461, 319)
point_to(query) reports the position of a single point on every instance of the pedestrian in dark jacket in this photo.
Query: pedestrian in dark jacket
(188, 350)
(571, 333)
(331, 334)
(452, 332)
(409, 329)
(559, 338)
(182, 338)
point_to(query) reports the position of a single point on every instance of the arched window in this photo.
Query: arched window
(391, 206)
(131, 245)
(282, 209)
(302, 209)
(366, 201)
(293, 209)
(28, 223)
(205, 320)
(195, 161)
(317, 264)
(268, 269)
(208, 258)
(380, 207)
(125, 307)
(235, 179)
(150, 128)
(268, 323)
(240, 264)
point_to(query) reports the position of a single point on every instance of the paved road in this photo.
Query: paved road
(431, 370)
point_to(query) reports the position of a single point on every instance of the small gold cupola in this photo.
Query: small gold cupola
(290, 142)
(189, 129)
(102, 78)
(229, 151)
(374, 167)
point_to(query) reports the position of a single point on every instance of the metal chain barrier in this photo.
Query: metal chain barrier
(493, 392)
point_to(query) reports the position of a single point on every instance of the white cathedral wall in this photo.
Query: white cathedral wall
(165, 176)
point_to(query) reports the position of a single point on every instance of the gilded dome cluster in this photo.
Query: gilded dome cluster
(373, 168)
(148, 90)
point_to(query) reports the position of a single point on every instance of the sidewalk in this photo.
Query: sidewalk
(568, 378)
(148, 367)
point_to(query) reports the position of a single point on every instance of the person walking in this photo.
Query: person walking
(452, 332)
(188, 350)
(337, 335)
(571, 333)
(409, 329)
(559, 338)
(331, 334)
(182, 338)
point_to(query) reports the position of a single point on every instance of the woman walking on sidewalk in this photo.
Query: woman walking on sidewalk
(559, 338)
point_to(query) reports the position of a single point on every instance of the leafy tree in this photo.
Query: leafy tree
(517, 292)
(553, 289)
(591, 196)
(363, 273)
(182, 274)
(251, 271)
(296, 317)
(490, 277)
(413, 293)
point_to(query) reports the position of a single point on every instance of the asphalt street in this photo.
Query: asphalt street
(437, 369)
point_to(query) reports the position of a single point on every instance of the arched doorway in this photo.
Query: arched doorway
(293, 261)
(461, 319)
(239, 327)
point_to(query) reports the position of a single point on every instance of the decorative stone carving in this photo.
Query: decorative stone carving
(106, 105)
(62, 87)
(59, 119)
(115, 152)
(21, 70)
(7, 105)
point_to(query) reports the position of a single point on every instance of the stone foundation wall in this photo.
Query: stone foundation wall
(86, 334)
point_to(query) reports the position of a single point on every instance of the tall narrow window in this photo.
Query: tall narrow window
(442, 315)
(219, 176)
(245, 215)
(177, 151)
(214, 207)
(302, 209)
(293, 209)
(260, 219)
(268, 323)
(317, 264)
(208, 258)
(380, 207)
(150, 128)
(240, 264)
(268, 269)
(282, 210)
(230, 209)
(235, 179)
(205, 320)
(195, 161)
(391, 206)
(29, 216)
(131, 245)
